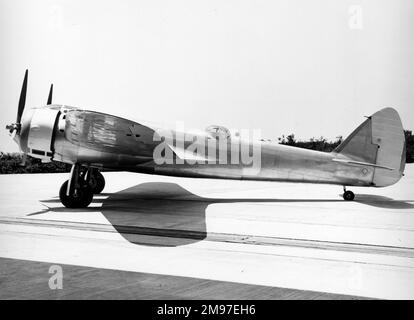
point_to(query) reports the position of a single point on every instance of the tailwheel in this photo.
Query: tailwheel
(348, 195)
(96, 181)
(79, 197)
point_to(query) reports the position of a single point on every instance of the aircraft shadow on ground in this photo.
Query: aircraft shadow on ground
(383, 202)
(166, 214)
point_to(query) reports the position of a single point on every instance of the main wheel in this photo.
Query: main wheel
(348, 195)
(97, 183)
(81, 197)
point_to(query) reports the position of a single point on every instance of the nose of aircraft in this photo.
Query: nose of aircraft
(20, 130)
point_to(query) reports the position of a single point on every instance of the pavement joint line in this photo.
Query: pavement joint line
(246, 252)
(217, 237)
(251, 253)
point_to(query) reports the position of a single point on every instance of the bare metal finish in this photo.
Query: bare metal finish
(373, 155)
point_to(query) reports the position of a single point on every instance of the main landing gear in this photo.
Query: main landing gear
(348, 195)
(78, 191)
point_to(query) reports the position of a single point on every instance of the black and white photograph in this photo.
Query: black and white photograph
(194, 150)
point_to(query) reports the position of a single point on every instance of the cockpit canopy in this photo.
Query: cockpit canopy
(218, 132)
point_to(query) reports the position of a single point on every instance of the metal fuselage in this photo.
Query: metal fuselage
(105, 141)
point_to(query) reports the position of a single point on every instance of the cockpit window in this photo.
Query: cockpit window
(218, 132)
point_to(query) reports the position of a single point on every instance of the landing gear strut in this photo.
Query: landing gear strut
(77, 192)
(348, 195)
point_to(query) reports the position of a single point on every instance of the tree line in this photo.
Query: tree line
(12, 163)
(322, 144)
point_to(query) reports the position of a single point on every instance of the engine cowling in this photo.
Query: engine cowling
(41, 133)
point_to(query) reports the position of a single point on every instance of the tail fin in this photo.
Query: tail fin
(379, 141)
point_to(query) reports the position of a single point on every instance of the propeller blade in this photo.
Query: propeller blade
(24, 158)
(22, 100)
(49, 99)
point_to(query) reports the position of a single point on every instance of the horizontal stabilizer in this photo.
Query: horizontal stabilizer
(362, 163)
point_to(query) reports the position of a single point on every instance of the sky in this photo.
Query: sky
(309, 67)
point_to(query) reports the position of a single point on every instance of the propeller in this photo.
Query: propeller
(14, 128)
(22, 100)
(23, 162)
(49, 99)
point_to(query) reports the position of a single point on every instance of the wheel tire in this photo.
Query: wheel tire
(348, 195)
(97, 183)
(82, 200)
